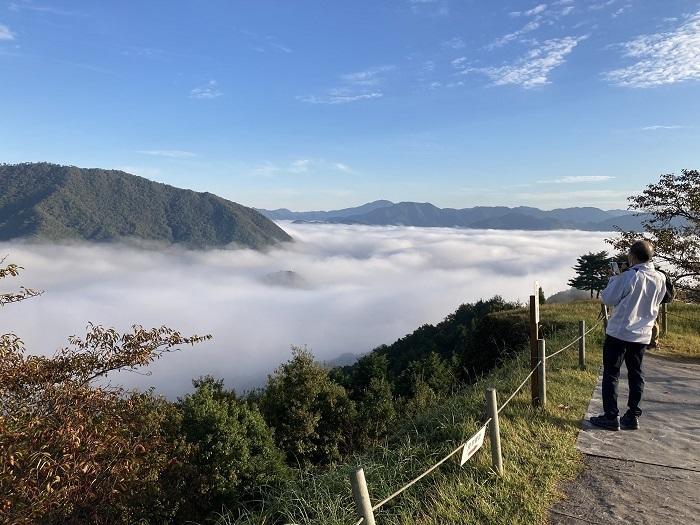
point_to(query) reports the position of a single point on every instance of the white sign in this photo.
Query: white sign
(471, 446)
(537, 301)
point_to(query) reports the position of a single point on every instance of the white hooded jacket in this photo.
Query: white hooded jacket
(636, 295)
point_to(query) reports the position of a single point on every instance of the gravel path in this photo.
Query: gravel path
(648, 476)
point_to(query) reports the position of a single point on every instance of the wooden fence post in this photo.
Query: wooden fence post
(604, 312)
(534, 335)
(582, 344)
(542, 355)
(494, 431)
(360, 494)
(664, 319)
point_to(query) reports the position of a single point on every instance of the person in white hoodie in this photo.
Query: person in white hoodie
(636, 295)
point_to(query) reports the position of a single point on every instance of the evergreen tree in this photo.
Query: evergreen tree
(591, 272)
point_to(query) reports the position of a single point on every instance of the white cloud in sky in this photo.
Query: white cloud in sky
(355, 86)
(44, 9)
(208, 91)
(369, 77)
(574, 179)
(5, 33)
(662, 58)
(299, 166)
(532, 70)
(536, 10)
(597, 6)
(454, 43)
(619, 11)
(171, 153)
(510, 37)
(364, 286)
(541, 15)
(430, 7)
(539, 8)
(265, 43)
(342, 167)
(567, 10)
(659, 127)
(339, 96)
(459, 63)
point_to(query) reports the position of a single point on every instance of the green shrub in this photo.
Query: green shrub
(231, 457)
(311, 415)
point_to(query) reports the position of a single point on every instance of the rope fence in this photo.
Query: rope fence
(664, 312)
(683, 318)
(364, 507)
(572, 343)
(527, 378)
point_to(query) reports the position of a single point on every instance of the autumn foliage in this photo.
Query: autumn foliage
(72, 448)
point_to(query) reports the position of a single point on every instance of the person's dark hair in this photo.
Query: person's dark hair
(642, 250)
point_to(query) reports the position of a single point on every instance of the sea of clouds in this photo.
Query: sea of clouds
(353, 288)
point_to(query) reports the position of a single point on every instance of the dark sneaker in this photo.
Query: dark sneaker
(629, 421)
(606, 422)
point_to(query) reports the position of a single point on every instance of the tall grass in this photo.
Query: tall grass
(683, 338)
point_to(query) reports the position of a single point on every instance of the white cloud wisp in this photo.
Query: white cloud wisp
(533, 69)
(5, 33)
(662, 58)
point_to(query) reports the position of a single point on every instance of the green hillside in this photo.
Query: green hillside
(51, 202)
(538, 446)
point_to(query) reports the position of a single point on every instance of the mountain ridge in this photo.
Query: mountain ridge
(425, 214)
(53, 202)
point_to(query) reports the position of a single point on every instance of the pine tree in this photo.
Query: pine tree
(591, 272)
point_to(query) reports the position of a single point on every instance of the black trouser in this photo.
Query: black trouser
(614, 352)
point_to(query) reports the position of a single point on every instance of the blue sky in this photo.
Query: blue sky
(318, 105)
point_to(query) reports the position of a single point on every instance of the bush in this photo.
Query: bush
(376, 413)
(311, 415)
(72, 452)
(231, 458)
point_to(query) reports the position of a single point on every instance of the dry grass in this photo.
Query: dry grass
(682, 342)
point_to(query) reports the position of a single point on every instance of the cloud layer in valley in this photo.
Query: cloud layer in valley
(353, 288)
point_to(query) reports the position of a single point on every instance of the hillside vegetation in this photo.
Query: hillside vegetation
(538, 446)
(50, 202)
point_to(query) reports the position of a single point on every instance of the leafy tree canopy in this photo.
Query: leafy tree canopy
(673, 204)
